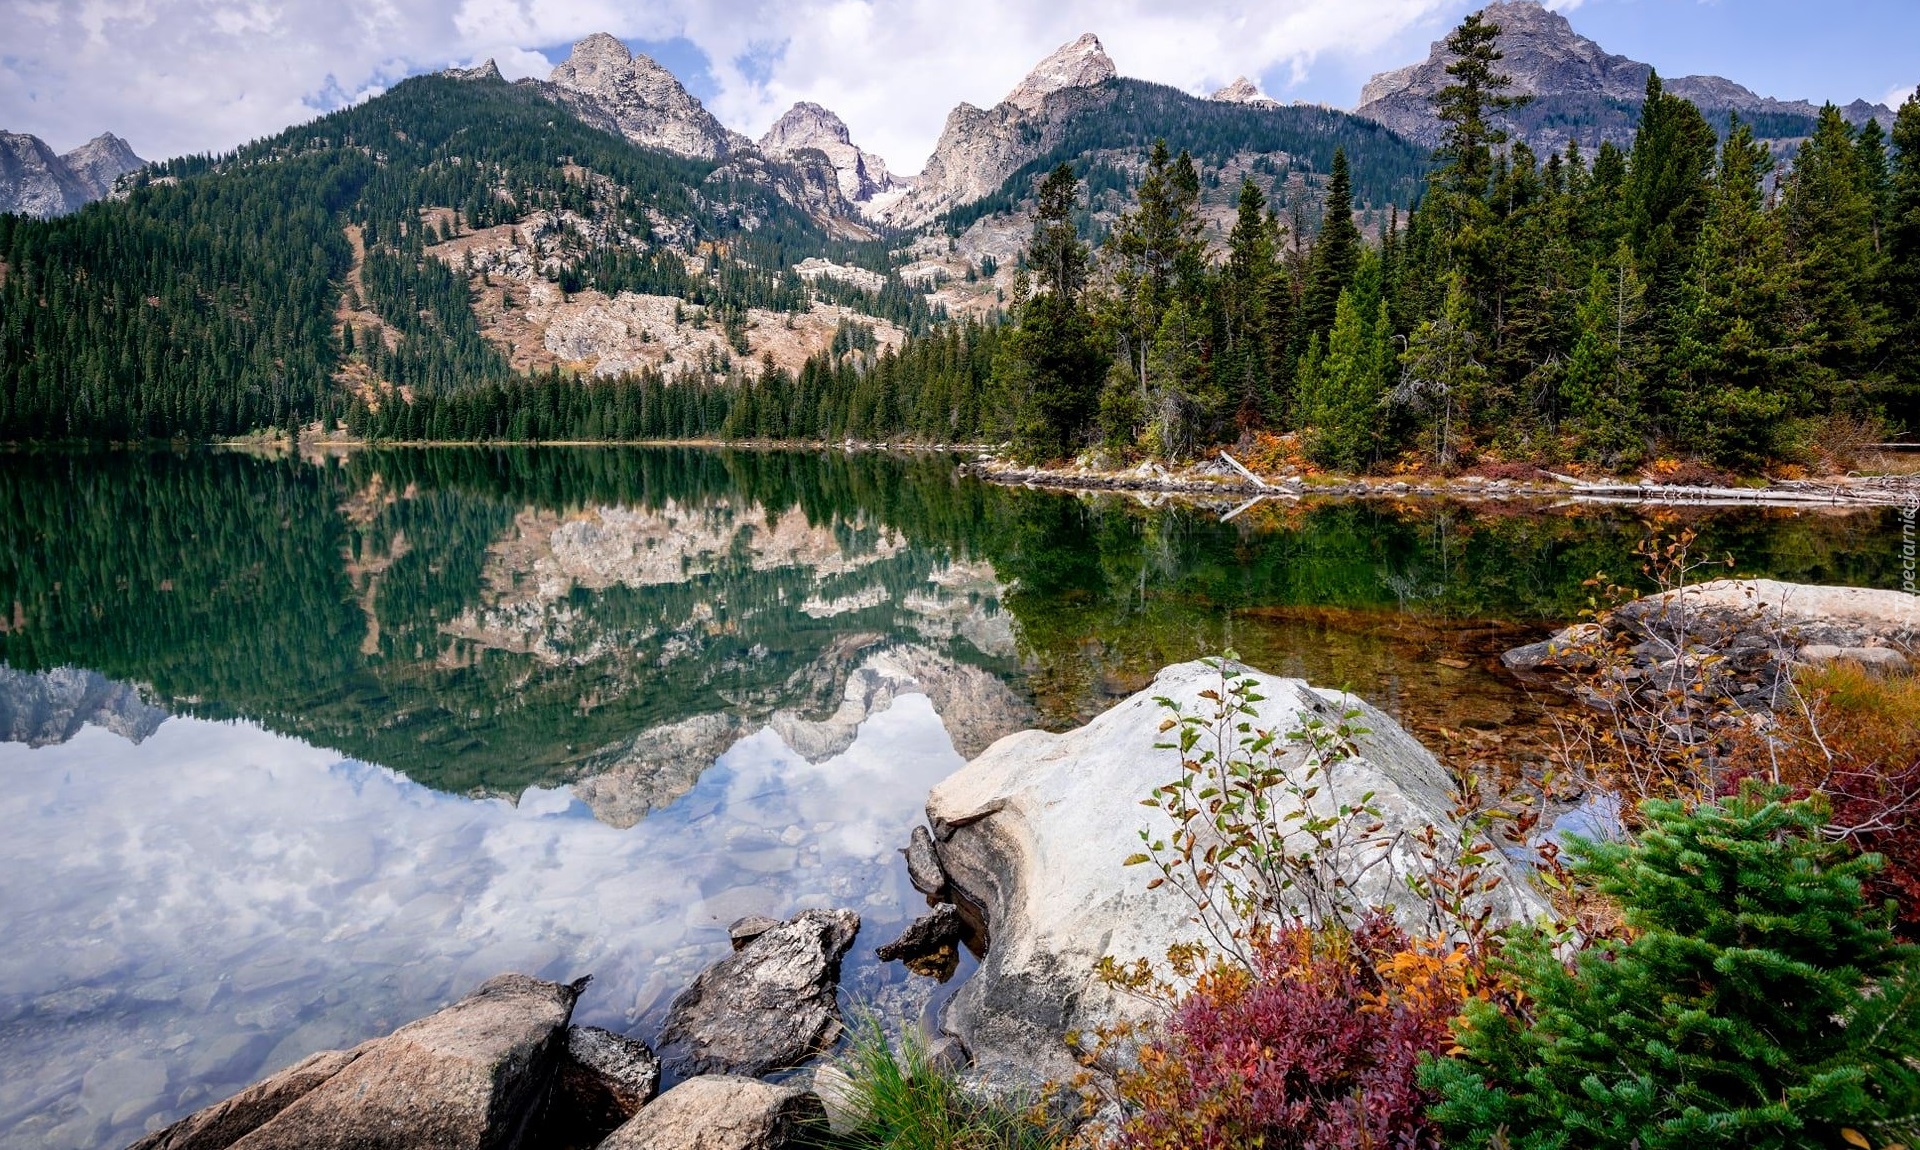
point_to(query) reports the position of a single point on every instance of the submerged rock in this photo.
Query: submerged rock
(605, 1080)
(769, 1006)
(1036, 832)
(923, 865)
(721, 1112)
(745, 930)
(930, 945)
(472, 1075)
(1731, 645)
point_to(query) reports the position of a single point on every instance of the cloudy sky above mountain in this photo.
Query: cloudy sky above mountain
(175, 76)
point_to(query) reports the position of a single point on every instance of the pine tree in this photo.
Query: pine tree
(1336, 252)
(1605, 373)
(1758, 1003)
(1053, 364)
(1478, 90)
(1441, 374)
(1901, 292)
(1734, 363)
(1828, 211)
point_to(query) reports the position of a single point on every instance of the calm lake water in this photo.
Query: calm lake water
(296, 752)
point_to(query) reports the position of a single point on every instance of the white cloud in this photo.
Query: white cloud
(190, 75)
(1897, 96)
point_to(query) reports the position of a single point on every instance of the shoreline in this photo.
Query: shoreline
(1213, 480)
(1231, 485)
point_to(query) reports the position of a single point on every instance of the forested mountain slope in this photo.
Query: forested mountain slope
(218, 297)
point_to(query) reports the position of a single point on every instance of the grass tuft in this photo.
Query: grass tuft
(904, 1101)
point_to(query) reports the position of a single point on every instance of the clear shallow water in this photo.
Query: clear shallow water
(220, 901)
(292, 752)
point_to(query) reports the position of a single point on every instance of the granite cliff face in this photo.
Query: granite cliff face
(979, 149)
(1244, 91)
(43, 708)
(34, 181)
(1576, 85)
(862, 176)
(633, 96)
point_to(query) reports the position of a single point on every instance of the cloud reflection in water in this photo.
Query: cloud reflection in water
(185, 915)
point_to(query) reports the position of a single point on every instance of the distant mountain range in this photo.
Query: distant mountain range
(1579, 90)
(34, 181)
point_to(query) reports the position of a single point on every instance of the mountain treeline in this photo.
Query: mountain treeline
(1681, 296)
(204, 304)
(1684, 296)
(938, 388)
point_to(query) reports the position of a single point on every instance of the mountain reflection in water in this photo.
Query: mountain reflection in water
(440, 714)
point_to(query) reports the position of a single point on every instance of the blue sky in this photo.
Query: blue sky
(174, 76)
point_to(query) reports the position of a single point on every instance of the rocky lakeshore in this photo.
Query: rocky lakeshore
(1224, 478)
(1023, 858)
(1009, 866)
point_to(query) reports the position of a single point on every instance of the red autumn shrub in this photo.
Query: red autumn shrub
(1317, 1048)
(1856, 737)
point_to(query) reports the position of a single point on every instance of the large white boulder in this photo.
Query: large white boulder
(1035, 832)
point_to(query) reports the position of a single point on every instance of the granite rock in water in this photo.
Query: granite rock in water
(721, 1112)
(923, 865)
(1036, 832)
(605, 1080)
(472, 1075)
(930, 945)
(769, 1006)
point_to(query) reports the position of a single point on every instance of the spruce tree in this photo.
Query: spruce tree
(1734, 362)
(1153, 251)
(1758, 1002)
(1606, 371)
(1054, 365)
(1668, 187)
(1902, 276)
(1336, 252)
(1246, 290)
(1828, 211)
(1347, 387)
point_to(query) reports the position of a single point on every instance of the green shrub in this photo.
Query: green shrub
(1758, 1001)
(902, 1099)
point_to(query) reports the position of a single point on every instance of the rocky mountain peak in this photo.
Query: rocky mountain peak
(597, 62)
(1082, 63)
(805, 125)
(1244, 91)
(611, 88)
(861, 175)
(36, 182)
(483, 71)
(1547, 59)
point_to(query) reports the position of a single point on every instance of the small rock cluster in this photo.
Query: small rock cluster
(1728, 648)
(504, 1068)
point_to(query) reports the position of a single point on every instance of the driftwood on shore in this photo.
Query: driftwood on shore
(1883, 489)
(1241, 484)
